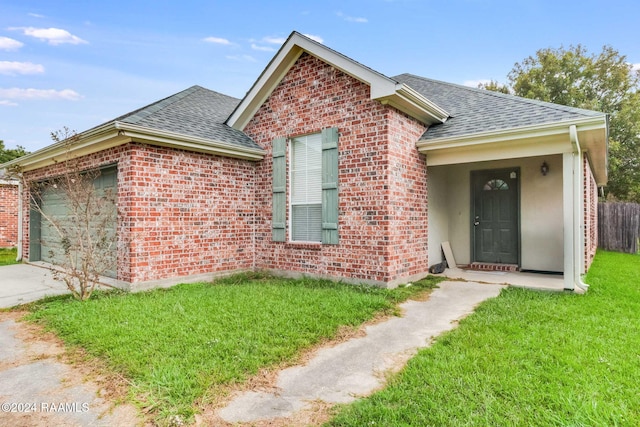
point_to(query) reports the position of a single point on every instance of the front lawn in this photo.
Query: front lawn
(527, 358)
(179, 346)
(8, 256)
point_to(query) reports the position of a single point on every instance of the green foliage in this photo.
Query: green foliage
(178, 346)
(527, 358)
(495, 86)
(602, 82)
(8, 256)
(8, 154)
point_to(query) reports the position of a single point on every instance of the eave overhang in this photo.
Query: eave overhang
(117, 133)
(548, 138)
(382, 88)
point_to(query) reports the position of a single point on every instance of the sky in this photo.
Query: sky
(78, 64)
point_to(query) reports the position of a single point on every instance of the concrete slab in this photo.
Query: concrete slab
(23, 283)
(547, 282)
(36, 389)
(356, 367)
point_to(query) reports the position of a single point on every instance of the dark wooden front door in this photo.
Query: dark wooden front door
(495, 225)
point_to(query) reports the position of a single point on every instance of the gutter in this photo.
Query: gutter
(528, 131)
(415, 97)
(117, 133)
(578, 206)
(187, 142)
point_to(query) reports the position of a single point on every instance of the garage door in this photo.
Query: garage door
(50, 247)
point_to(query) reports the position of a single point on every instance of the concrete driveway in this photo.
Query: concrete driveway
(23, 283)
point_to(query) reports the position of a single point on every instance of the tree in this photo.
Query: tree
(603, 82)
(495, 86)
(80, 225)
(8, 154)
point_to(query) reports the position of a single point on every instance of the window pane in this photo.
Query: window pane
(306, 188)
(306, 169)
(495, 184)
(306, 223)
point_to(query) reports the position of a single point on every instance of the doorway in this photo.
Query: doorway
(495, 207)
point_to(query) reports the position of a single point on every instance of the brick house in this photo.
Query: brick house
(8, 213)
(331, 169)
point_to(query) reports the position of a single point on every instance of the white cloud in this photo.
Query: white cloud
(53, 36)
(217, 40)
(359, 20)
(10, 44)
(7, 103)
(37, 94)
(36, 15)
(475, 83)
(241, 58)
(262, 48)
(274, 40)
(635, 67)
(316, 38)
(12, 68)
(267, 40)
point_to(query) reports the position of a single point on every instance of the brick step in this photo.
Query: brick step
(486, 266)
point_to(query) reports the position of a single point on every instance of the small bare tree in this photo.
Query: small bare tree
(81, 235)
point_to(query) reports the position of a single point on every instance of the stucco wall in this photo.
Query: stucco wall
(382, 180)
(439, 212)
(540, 205)
(8, 214)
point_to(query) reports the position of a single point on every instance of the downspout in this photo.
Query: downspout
(578, 208)
(20, 225)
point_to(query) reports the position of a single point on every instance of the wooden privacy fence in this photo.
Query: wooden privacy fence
(619, 227)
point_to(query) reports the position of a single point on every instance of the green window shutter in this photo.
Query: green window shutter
(330, 186)
(279, 211)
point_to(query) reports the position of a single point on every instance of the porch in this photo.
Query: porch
(536, 281)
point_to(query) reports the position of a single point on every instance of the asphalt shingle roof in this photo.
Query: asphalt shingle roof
(202, 113)
(477, 110)
(195, 112)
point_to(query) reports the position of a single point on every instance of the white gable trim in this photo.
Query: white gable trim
(383, 88)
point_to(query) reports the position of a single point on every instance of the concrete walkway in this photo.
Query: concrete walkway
(23, 283)
(37, 389)
(356, 367)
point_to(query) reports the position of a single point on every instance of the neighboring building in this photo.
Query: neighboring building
(331, 169)
(8, 212)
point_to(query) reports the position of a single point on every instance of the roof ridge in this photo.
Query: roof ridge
(518, 98)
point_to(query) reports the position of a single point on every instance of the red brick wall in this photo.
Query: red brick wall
(408, 198)
(185, 213)
(378, 222)
(8, 215)
(590, 215)
(179, 213)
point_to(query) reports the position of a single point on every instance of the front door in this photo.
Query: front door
(494, 216)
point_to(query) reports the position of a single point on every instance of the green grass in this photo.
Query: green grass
(8, 256)
(527, 358)
(178, 346)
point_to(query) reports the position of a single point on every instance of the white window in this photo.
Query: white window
(306, 188)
